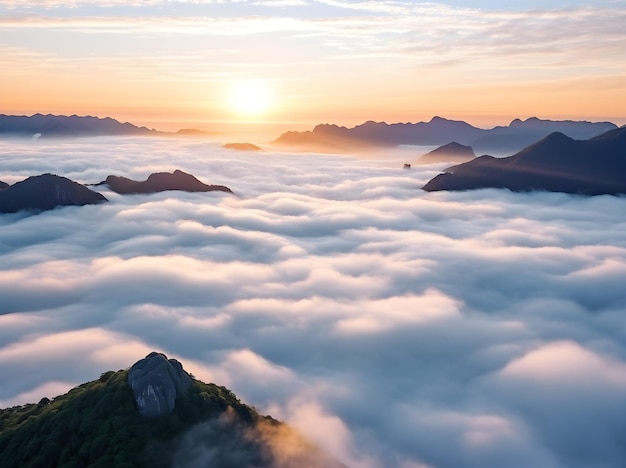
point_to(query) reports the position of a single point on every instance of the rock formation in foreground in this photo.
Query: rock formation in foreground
(452, 152)
(557, 164)
(99, 423)
(156, 383)
(46, 192)
(242, 147)
(159, 182)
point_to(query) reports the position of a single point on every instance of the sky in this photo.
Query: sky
(302, 62)
(393, 327)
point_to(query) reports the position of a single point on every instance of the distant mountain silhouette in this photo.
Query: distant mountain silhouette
(242, 147)
(452, 152)
(159, 182)
(3, 185)
(192, 132)
(46, 126)
(100, 424)
(557, 163)
(439, 131)
(45, 192)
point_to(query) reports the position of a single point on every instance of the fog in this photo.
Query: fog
(391, 326)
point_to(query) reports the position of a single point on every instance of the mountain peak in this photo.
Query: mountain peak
(451, 152)
(156, 382)
(553, 142)
(45, 192)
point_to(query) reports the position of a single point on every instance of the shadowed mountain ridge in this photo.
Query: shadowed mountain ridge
(557, 163)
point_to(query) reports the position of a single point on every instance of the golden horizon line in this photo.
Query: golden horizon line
(183, 123)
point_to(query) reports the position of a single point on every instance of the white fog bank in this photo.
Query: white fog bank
(393, 327)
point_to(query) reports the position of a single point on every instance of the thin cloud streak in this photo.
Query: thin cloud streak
(316, 56)
(435, 29)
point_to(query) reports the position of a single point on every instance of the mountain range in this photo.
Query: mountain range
(188, 423)
(557, 163)
(47, 126)
(439, 131)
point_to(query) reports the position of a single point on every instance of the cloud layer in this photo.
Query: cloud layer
(391, 326)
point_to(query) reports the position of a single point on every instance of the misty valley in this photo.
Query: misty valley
(389, 325)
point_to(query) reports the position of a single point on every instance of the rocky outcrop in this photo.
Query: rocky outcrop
(160, 182)
(242, 147)
(557, 164)
(452, 152)
(156, 383)
(45, 192)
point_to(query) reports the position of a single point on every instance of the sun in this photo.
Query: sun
(250, 98)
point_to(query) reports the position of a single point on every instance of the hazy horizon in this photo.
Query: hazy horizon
(264, 133)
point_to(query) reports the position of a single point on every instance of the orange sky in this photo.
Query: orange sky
(330, 61)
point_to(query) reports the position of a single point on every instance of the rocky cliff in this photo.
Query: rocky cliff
(156, 383)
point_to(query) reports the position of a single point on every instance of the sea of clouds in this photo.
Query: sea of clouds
(393, 327)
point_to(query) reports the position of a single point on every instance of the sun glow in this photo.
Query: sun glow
(250, 98)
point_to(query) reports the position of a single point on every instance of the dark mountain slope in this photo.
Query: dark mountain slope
(98, 424)
(45, 192)
(557, 164)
